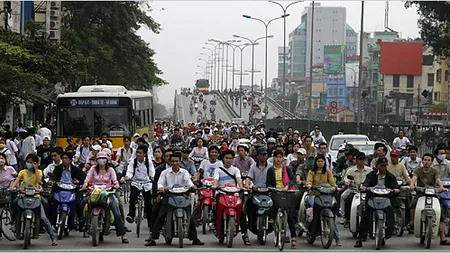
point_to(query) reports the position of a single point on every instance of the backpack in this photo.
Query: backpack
(81, 150)
(146, 165)
(121, 153)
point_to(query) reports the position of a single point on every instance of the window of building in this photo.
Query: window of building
(438, 75)
(341, 92)
(410, 81)
(446, 75)
(436, 96)
(375, 77)
(396, 81)
(431, 80)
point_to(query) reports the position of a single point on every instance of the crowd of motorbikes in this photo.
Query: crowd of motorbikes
(202, 116)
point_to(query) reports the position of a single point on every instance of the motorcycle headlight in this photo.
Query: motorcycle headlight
(430, 191)
(30, 192)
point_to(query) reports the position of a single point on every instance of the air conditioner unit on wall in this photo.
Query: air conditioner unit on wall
(55, 4)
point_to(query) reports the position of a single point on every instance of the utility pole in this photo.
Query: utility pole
(310, 68)
(360, 81)
(418, 105)
(223, 65)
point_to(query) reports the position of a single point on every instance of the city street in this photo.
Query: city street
(76, 243)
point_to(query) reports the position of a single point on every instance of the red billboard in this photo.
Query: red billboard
(401, 58)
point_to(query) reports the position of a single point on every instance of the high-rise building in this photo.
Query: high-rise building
(281, 62)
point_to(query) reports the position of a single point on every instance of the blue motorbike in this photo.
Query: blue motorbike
(444, 198)
(65, 202)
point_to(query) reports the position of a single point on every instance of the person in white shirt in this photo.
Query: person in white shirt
(82, 152)
(318, 138)
(11, 145)
(232, 174)
(141, 141)
(314, 130)
(411, 161)
(28, 145)
(323, 149)
(134, 144)
(56, 158)
(104, 139)
(44, 131)
(124, 154)
(4, 150)
(401, 142)
(94, 151)
(141, 172)
(38, 139)
(212, 164)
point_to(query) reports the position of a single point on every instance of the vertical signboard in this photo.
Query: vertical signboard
(333, 59)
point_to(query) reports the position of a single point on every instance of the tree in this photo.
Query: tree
(29, 67)
(105, 34)
(434, 24)
(160, 110)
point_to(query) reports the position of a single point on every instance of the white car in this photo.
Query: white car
(337, 140)
(368, 147)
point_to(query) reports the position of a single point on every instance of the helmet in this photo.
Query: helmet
(271, 140)
(102, 155)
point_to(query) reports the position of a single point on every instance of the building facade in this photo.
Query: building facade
(282, 64)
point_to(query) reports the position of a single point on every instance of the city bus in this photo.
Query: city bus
(97, 109)
(202, 85)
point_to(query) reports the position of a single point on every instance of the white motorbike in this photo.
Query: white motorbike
(427, 215)
(356, 210)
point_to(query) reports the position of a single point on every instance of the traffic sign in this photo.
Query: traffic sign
(333, 110)
(333, 104)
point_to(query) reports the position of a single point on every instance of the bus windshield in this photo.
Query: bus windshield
(94, 121)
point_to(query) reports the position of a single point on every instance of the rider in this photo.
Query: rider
(56, 158)
(123, 156)
(176, 137)
(101, 175)
(243, 162)
(82, 152)
(379, 176)
(307, 145)
(187, 163)
(423, 176)
(396, 168)
(141, 172)
(167, 180)
(401, 142)
(196, 105)
(67, 173)
(318, 138)
(380, 151)
(31, 175)
(317, 176)
(281, 177)
(359, 173)
(440, 163)
(210, 165)
(411, 161)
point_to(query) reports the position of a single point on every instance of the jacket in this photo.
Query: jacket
(158, 171)
(75, 172)
(372, 178)
(271, 178)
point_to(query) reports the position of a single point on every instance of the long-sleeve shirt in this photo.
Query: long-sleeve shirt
(28, 146)
(196, 152)
(169, 178)
(143, 176)
(359, 176)
(7, 174)
(318, 178)
(101, 179)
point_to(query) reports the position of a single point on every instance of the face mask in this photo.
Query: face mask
(2, 146)
(29, 165)
(101, 162)
(310, 163)
(158, 155)
(2, 162)
(441, 157)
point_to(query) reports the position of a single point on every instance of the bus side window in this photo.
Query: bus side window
(138, 119)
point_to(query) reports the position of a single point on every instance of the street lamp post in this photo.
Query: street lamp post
(210, 62)
(284, 51)
(216, 54)
(253, 43)
(266, 25)
(222, 43)
(360, 81)
(233, 46)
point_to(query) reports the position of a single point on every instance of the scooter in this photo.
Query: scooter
(179, 216)
(400, 211)
(29, 216)
(444, 198)
(197, 161)
(65, 200)
(379, 203)
(324, 213)
(262, 202)
(100, 216)
(228, 214)
(427, 215)
(206, 203)
(357, 208)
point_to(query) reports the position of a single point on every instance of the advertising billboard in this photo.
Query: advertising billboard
(333, 59)
(401, 58)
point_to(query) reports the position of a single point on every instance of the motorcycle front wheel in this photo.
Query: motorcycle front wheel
(230, 231)
(327, 233)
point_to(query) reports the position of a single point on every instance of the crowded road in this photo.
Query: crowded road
(76, 243)
(221, 113)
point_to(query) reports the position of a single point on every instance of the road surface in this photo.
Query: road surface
(221, 111)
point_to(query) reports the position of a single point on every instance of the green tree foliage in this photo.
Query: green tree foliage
(434, 24)
(105, 34)
(29, 68)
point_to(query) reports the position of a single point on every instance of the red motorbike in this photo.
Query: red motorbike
(228, 214)
(206, 203)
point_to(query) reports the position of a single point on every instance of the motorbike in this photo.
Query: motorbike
(206, 203)
(323, 222)
(197, 161)
(200, 98)
(179, 215)
(228, 214)
(213, 117)
(204, 107)
(400, 211)
(177, 147)
(164, 141)
(29, 216)
(236, 102)
(262, 202)
(357, 208)
(100, 215)
(379, 203)
(444, 198)
(427, 215)
(65, 201)
(191, 111)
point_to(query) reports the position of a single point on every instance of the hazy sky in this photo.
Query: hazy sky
(187, 25)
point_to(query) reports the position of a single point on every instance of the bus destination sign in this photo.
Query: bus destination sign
(95, 102)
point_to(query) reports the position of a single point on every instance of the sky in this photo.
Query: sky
(187, 25)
